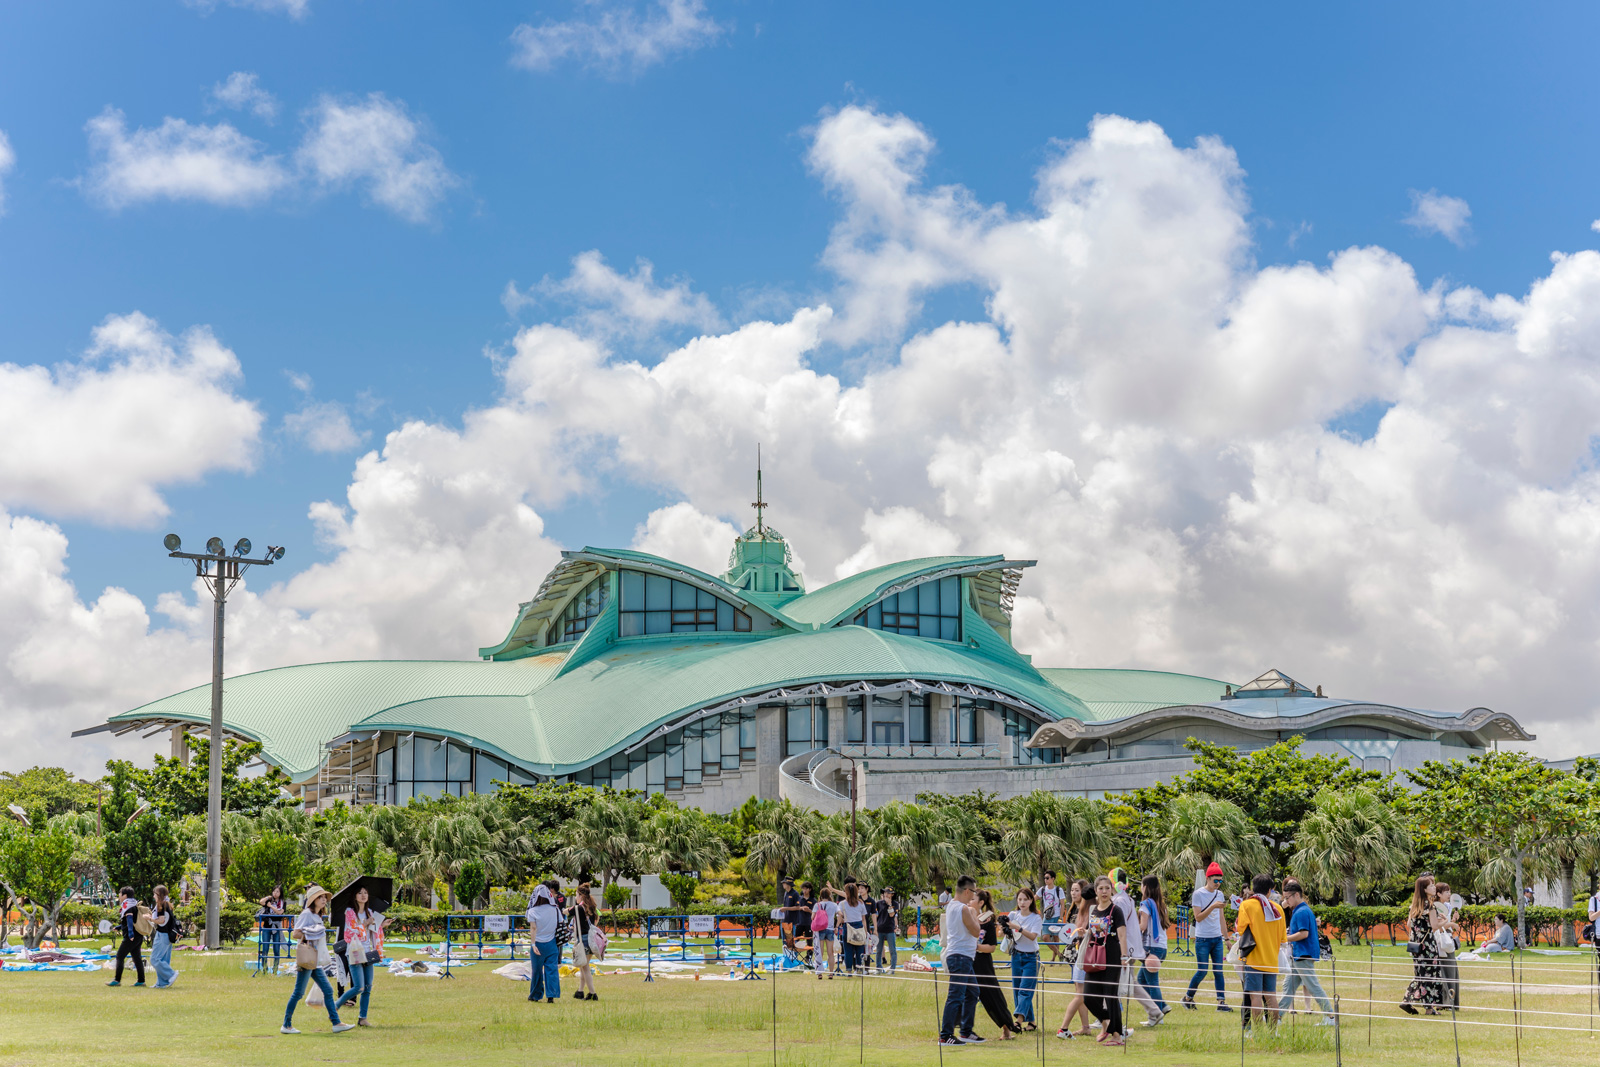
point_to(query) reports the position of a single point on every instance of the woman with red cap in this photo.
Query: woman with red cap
(1206, 916)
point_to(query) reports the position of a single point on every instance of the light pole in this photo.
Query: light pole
(221, 573)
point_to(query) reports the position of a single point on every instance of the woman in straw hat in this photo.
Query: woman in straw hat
(312, 958)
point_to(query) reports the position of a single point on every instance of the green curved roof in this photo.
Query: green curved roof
(843, 598)
(1116, 694)
(556, 724)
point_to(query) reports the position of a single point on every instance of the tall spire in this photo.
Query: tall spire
(759, 505)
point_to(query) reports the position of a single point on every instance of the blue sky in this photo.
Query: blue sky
(697, 161)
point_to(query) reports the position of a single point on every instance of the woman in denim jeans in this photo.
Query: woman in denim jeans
(363, 933)
(1153, 927)
(311, 926)
(1026, 924)
(166, 919)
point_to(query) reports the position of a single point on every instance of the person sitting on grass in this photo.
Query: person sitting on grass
(1503, 938)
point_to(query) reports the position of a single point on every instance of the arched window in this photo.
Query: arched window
(581, 612)
(654, 604)
(929, 609)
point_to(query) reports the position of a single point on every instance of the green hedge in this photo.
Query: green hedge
(407, 923)
(78, 919)
(236, 920)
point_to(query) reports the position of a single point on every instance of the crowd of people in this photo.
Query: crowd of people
(1115, 947)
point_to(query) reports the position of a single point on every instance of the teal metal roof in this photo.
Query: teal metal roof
(845, 597)
(556, 724)
(294, 711)
(1117, 694)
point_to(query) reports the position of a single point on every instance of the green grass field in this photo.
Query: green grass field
(219, 1013)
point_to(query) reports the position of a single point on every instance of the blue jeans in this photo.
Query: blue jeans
(1024, 980)
(314, 974)
(961, 1003)
(1303, 971)
(1207, 948)
(360, 983)
(894, 950)
(161, 958)
(1151, 980)
(546, 965)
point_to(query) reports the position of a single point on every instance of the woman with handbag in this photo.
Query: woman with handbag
(363, 940)
(1104, 946)
(166, 932)
(311, 957)
(1077, 916)
(853, 928)
(584, 913)
(989, 992)
(1427, 962)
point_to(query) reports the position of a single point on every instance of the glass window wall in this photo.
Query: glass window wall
(580, 613)
(652, 604)
(929, 609)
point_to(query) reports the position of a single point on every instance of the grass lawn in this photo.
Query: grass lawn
(219, 1013)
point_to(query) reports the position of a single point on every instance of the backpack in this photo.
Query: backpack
(143, 922)
(819, 919)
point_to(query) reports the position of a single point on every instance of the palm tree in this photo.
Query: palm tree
(1047, 831)
(607, 836)
(681, 839)
(449, 842)
(918, 833)
(1350, 836)
(1198, 830)
(781, 843)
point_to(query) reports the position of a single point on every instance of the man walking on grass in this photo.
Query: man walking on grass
(960, 931)
(1304, 951)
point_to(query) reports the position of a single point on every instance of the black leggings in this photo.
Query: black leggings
(989, 993)
(1100, 997)
(131, 944)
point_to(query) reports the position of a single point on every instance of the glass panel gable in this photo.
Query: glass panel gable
(652, 604)
(928, 609)
(584, 608)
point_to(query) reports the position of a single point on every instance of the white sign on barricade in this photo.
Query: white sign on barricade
(701, 924)
(496, 924)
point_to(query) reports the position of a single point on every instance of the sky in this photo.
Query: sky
(1271, 334)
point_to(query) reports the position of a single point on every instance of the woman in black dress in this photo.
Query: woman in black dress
(1107, 927)
(1427, 985)
(990, 995)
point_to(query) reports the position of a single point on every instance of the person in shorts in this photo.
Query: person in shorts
(1265, 921)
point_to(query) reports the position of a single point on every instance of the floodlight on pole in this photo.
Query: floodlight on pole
(220, 574)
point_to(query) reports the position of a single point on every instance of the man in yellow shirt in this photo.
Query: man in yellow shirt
(1264, 920)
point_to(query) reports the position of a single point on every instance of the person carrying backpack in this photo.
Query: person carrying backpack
(136, 925)
(165, 917)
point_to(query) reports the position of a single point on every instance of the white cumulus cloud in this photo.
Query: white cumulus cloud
(1447, 216)
(617, 36)
(178, 161)
(616, 303)
(242, 91)
(374, 144)
(99, 438)
(324, 426)
(1141, 407)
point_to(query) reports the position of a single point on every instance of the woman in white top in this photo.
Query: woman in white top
(1025, 924)
(823, 918)
(311, 928)
(363, 938)
(853, 928)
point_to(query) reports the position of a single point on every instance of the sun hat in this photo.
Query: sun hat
(314, 891)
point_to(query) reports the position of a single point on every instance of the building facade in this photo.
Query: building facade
(633, 671)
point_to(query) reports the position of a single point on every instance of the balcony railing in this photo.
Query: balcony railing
(921, 751)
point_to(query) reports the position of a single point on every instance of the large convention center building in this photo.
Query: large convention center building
(630, 670)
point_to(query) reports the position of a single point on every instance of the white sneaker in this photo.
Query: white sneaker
(1327, 1020)
(340, 1028)
(287, 1030)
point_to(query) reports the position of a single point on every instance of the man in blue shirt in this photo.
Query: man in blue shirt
(1304, 950)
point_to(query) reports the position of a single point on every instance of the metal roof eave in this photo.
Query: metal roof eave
(1065, 732)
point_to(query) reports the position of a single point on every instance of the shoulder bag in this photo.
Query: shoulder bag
(1093, 958)
(305, 956)
(855, 933)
